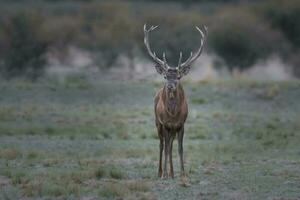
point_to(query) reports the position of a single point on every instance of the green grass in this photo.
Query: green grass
(79, 139)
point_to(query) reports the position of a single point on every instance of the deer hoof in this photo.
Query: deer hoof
(164, 175)
(159, 174)
(184, 181)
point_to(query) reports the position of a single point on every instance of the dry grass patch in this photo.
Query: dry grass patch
(51, 162)
(269, 93)
(138, 185)
(109, 172)
(124, 189)
(10, 153)
(113, 190)
(32, 155)
(4, 181)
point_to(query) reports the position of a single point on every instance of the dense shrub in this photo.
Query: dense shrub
(111, 29)
(241, 43)
(61, 31)
(284, 15)
(22, 48)
(238, 34)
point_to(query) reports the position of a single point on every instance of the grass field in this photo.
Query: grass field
(76, 139)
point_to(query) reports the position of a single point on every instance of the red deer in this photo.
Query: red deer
(170, 104)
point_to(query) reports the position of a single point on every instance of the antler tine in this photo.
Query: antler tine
(180, 58)
(165, 61)
(153, 27)
(188, 60)
(150, 29)
(146, 41)
(192, 57)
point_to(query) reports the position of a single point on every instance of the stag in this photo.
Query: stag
(170, 104)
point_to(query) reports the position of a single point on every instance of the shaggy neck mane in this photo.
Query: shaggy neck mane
(172, 105)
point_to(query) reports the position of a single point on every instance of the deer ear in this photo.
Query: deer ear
(185, 70)
(160, 69)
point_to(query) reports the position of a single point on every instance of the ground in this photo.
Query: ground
(79, 139)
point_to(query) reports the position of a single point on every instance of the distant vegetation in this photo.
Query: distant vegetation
(23, 46)
(240, 34)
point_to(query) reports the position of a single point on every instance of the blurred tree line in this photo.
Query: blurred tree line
(240, 32)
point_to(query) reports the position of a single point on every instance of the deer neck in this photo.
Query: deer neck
(173, 102)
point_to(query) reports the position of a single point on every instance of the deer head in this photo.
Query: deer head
(173, 74)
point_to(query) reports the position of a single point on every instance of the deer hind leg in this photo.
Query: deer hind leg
(180, 149)
(170, 154)
(161, 147)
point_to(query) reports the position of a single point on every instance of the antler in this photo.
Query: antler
(163, 62)
(193, 57)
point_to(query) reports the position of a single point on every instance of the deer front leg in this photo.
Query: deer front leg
(166, 149)
(180, 149)
(170, 154)
(161, 147)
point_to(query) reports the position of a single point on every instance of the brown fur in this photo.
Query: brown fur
(170, 116)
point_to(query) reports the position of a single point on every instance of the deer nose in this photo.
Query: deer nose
(171, 86)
